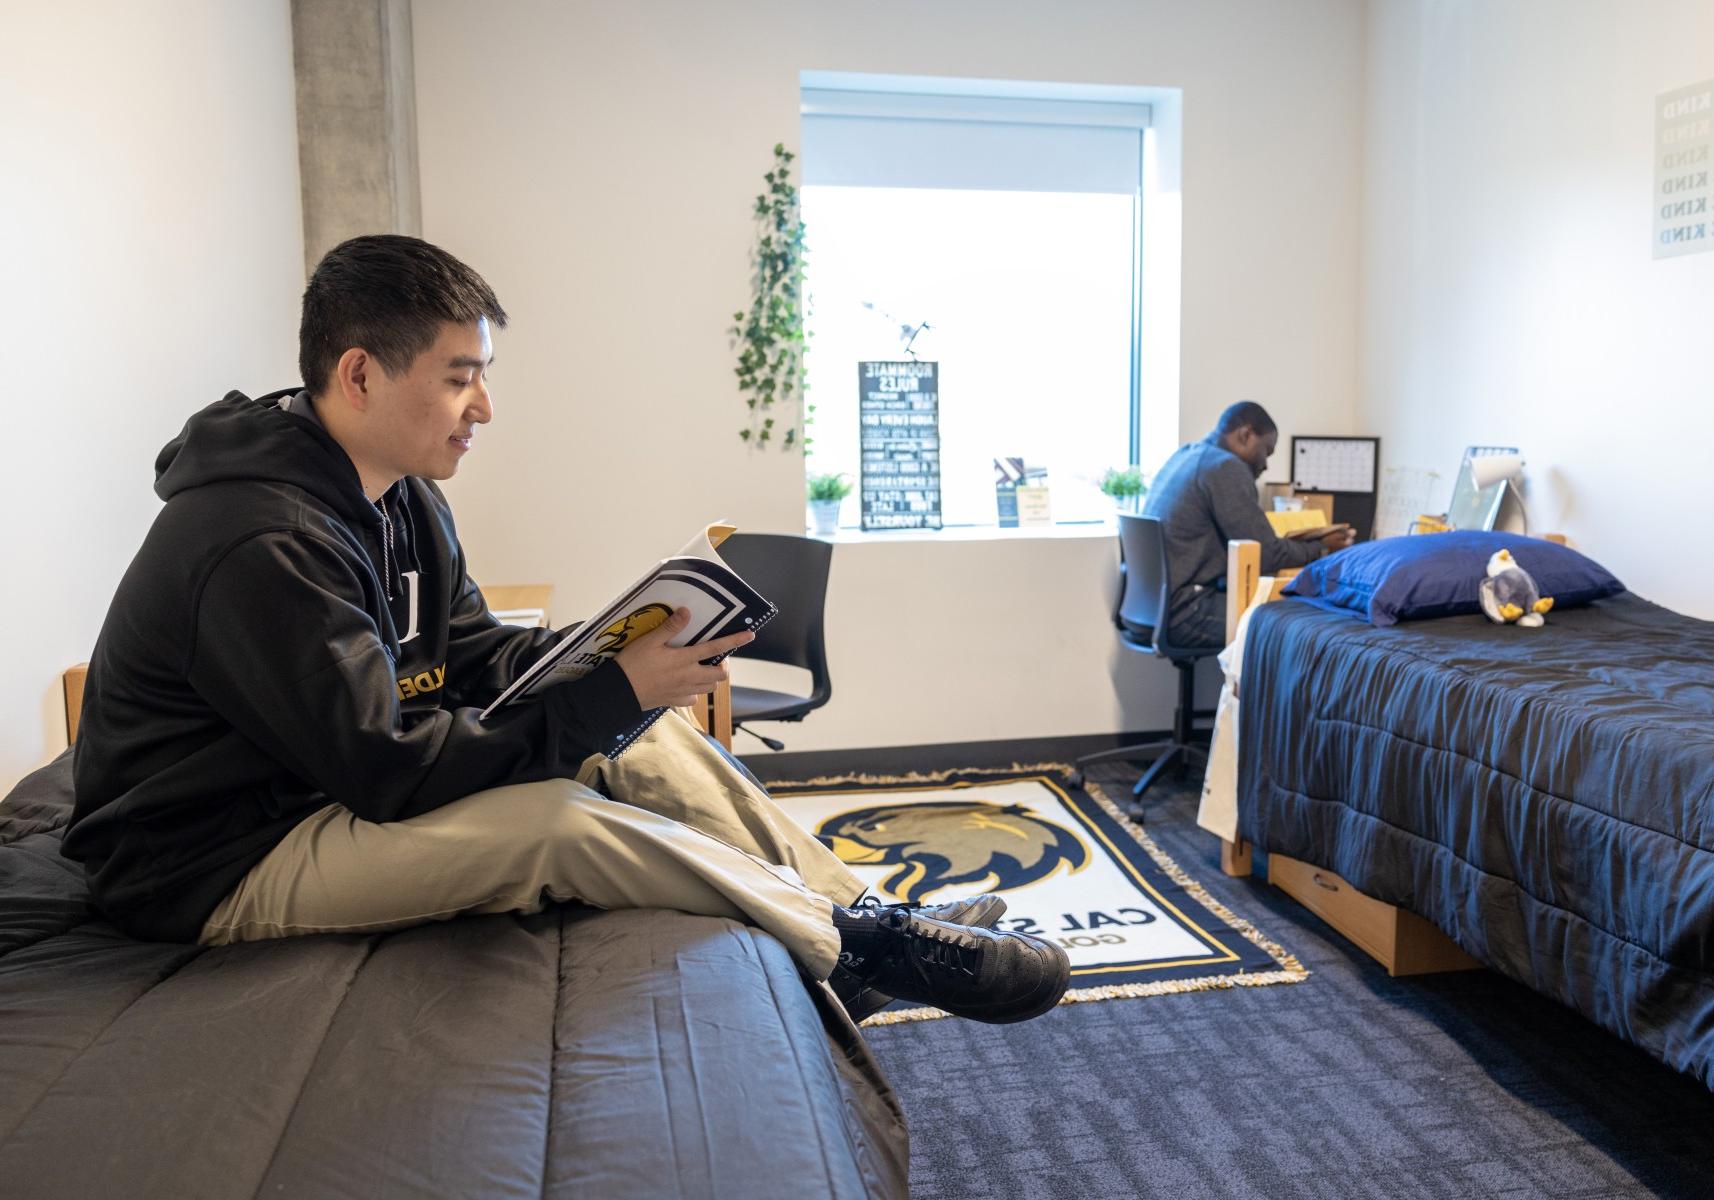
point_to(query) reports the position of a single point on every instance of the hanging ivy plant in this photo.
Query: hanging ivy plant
(770, 336)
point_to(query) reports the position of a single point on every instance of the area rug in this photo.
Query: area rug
(1071, 866)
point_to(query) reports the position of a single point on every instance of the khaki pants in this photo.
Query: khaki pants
(680, 827)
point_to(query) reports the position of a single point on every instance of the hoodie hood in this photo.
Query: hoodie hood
(237, 438)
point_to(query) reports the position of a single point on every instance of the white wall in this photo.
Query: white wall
(150, 235)
(597, 163)
(1510, 295)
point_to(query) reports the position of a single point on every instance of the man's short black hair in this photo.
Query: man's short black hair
(389, 294)
(1246, 414)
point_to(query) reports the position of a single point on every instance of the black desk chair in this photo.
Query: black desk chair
(792, 572)
(1140, 616)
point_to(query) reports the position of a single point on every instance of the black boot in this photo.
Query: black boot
(965, 970)
(848, 981)
(981, 910)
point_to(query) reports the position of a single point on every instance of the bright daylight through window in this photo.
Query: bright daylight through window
(998, 239)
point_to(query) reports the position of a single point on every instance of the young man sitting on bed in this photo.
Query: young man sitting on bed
(1204, 497)
(280, 732)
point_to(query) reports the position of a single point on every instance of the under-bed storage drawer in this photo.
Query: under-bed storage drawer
(1401, 941)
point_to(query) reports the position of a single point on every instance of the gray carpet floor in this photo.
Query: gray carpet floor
(1349, 1084)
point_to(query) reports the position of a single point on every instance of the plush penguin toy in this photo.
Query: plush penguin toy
(1509, 594)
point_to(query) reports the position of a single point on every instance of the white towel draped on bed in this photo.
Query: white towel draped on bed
(1218, 813)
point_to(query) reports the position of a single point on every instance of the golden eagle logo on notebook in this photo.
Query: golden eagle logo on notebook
(980, 847)
(627, 629)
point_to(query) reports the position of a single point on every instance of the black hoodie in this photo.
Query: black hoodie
(280, 643)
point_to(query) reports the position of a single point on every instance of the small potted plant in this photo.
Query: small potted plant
(1126, 486)
(826, 492)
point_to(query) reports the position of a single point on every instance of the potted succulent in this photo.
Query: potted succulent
(1126, 486)
(825, 493)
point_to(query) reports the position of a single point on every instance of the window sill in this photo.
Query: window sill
(976, 533)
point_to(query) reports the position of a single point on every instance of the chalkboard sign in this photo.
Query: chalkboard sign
(898, 414)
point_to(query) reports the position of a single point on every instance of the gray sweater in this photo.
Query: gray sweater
(1204, 497)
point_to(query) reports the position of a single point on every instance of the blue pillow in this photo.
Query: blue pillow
(1438, 574)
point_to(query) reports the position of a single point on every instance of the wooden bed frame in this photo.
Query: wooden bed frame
(1401, 941)
(1245, 583)
(72, 683)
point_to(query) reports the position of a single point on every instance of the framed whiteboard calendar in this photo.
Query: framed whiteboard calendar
(1335, 464)
(1345, 469)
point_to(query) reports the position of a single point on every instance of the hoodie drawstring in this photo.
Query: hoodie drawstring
(386, 548)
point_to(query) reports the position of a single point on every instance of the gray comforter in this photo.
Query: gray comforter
(575, 1053)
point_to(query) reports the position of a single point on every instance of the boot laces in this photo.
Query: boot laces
(931, 945)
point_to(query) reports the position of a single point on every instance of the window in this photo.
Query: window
(999, 236)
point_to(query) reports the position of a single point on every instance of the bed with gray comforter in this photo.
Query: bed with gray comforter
(574, 1053)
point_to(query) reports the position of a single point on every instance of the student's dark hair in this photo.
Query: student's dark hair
(1246, 414)
(389, 294)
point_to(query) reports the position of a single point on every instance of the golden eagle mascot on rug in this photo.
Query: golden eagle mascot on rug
(939, 844)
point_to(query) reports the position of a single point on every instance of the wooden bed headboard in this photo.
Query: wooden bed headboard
(1244, 580)
(72, 682)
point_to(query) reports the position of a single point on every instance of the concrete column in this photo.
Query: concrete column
(357, 121)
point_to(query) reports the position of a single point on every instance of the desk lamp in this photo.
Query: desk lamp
(1489, 469)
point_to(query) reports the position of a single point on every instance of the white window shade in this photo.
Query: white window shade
(863, 139)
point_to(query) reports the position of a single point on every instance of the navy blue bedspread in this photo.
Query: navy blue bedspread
(1545, 796)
